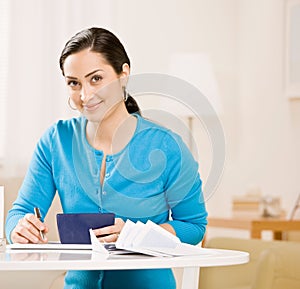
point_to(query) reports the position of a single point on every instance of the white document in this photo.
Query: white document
(151, 239)
(106, 249)
(96, 245)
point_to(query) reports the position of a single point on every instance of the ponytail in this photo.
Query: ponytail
(132, 106)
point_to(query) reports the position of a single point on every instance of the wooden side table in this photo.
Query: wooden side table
(257, 225)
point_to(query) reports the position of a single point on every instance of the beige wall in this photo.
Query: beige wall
(246, 42)
(264, 144)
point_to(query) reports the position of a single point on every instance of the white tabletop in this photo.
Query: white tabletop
(90, 260)
(22, 260)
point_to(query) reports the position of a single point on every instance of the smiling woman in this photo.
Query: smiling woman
(96, 68)
(110, 159)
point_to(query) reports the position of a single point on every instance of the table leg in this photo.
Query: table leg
(277, 235)
(255, 233)
(190, 278)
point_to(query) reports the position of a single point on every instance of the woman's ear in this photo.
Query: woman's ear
(125, 70)
(125, 74)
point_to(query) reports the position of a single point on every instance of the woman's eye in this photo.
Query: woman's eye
(73, 83)
(96, 78)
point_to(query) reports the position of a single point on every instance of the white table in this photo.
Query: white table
(55, 262)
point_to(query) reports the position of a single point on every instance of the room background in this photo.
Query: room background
(245, 41)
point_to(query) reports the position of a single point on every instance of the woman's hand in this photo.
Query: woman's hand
(110, 233)
(28, 230)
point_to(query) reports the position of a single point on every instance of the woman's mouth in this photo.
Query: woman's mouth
(92, 106)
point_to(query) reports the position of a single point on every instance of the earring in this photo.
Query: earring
(69, 103)
(125, 95)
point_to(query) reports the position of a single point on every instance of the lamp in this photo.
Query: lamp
(195, 68)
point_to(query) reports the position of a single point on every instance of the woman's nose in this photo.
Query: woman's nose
(86, 93)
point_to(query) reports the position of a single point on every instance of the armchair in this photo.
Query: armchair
(273, 265)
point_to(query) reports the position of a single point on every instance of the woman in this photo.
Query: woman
(109, 159)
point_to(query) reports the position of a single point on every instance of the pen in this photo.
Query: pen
(38, 215)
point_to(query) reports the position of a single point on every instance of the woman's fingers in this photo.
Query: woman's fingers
(32, 219)
(110, 233)
(109, 239)
(17, 238)
(28, 230)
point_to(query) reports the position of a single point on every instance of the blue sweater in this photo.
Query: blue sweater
(153, 178)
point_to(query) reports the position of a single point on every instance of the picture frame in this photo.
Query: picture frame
(292, 25)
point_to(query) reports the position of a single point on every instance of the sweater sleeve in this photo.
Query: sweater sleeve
(184, 192)
(38, 188)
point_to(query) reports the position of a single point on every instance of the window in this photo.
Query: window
(4, 14)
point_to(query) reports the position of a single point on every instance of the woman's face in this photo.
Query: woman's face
(94, 87)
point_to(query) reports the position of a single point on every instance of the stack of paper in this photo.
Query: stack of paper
(149, 239)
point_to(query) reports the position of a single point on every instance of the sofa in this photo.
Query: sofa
(272, 265)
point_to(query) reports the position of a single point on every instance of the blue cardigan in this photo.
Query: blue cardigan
(154, 177)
